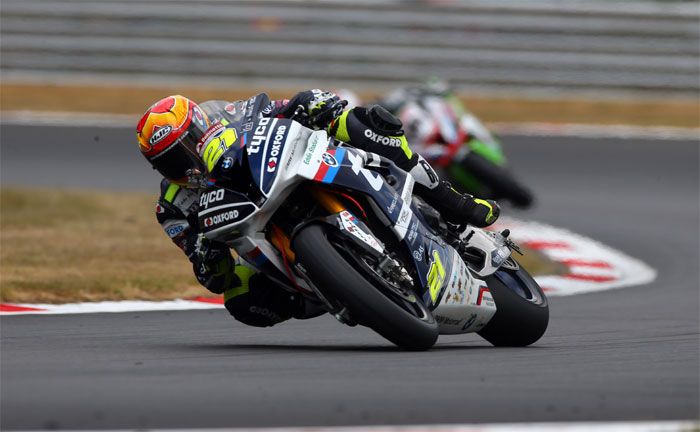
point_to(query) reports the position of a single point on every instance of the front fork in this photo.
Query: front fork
(282, 242)
(281, 239)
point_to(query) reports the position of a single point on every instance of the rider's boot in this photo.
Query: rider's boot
(459, 208)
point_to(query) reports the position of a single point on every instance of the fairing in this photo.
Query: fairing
(300, 155)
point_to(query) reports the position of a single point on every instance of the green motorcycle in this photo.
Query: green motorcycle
(455, 142)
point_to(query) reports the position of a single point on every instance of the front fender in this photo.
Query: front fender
(350, 227)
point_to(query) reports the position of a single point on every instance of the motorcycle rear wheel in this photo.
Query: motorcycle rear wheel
(338, 279)
(522, 310)
(498, 180)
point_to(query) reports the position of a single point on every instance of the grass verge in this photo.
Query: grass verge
(116, 99)
(60, 246)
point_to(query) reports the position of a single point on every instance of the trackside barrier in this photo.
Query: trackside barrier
(638, 47)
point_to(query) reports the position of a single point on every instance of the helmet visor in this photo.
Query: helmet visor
(177, 161)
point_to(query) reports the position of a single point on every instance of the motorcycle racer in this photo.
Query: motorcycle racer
(174, 133)
(441, 129)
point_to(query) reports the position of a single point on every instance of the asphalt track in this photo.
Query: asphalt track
(627, 354)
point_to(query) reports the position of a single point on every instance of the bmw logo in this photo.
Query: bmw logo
(227, 163)
(329, 160)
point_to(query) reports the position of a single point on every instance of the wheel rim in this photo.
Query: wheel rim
(386, 287)
(521, 284)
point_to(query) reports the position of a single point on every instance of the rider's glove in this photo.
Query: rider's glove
(212, 264)
(318, 107)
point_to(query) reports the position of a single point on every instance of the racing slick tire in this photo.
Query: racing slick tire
(336, 278)
(522, 310)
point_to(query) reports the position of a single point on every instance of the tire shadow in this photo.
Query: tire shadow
(267, 347)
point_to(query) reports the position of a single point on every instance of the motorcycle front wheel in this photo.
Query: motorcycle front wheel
(522, 310)
(496, 179)
(410, 326)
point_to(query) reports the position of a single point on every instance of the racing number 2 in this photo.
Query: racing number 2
(358, 167)
(436, 275)
(217, 146)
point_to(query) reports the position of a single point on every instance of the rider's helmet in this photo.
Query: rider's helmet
(168, 135)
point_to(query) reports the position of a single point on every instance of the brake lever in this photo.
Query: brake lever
(298, 112)
(335, 110)
(510, 243)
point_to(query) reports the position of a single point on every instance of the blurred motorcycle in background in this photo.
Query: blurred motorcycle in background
(453, 140)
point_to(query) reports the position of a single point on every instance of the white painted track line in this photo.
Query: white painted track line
(640, 426)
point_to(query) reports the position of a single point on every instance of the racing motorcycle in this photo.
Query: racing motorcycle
(341, 226)
(455, 142)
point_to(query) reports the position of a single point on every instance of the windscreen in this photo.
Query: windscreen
(236, 113)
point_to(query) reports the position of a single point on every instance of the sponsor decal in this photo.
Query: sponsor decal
(447, 320)
(392, 206)
(186, 200)
(326, 173)
(258, 136)
(199, 118)
(469, 322)
(499, 256)
(292, 151)
(329, 160)
(310, 150)
(265, 312)
(412, 232)
(247, 127)
(230, 108)
(159, 209)
(227, 163)
(229, 216)
(159, 133)
(268, 109)
(211, 197)
(384, 140)
(215, 130)
(349, 223)
(419, 253)
(466, 277)
(173, 231)
(404, 217)
(276, 145)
